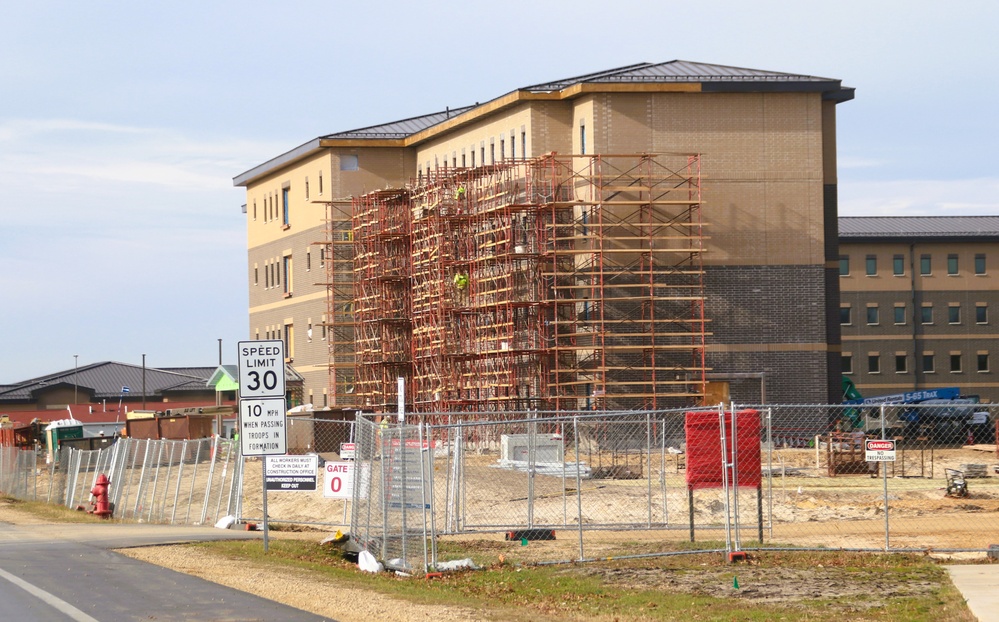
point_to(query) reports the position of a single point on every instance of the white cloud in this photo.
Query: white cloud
(919, 197)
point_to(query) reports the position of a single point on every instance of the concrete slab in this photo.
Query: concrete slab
(980, 586)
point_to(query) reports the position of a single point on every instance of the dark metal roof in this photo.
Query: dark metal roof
(105, 381)
(922, 227)
(683, 71)
(403, 128)
(710, 77)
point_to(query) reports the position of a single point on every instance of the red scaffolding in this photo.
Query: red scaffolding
(560, 282)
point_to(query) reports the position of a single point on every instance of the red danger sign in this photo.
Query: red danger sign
(879, 450)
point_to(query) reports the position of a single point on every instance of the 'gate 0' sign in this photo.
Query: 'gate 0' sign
(339, 480)
(261, 368)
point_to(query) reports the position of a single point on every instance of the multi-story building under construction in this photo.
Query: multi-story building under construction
(649, 236)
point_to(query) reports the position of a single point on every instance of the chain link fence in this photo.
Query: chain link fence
(753, 477)
(157, 481)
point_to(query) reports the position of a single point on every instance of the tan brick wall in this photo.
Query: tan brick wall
(762, 165)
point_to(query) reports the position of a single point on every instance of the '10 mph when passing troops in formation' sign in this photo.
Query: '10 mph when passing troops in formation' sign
(262, 412)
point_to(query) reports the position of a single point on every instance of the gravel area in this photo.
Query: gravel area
(297, 588)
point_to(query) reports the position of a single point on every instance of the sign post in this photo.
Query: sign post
(262, 409)
(881, 450)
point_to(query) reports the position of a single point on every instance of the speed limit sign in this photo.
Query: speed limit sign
(261, 368)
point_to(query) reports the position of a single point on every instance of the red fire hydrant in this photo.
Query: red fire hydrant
(101, 504)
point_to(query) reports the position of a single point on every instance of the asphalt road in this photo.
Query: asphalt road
(66, 572)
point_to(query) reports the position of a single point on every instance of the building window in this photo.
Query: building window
(462, 158)
(981, 313)
(900, 314)
(844, 265)
(473, 157)
(254, 209)
(872, 265)
(926, 314)
(286, 268)
(306, 188)
(954, 313)
(482, 152)
(898, 265)
(523, 142)
(846, 362)
(289, 341)
(267, 276)
(308, 259)
(901, 363)
(256, 275)
(348, 162)
(955, 362)
(285, 215)
(927, 362)
(322, 256)
(846, 315)
(872, 314)
(502, 148)
(492, 151)
(582, 137)
(982, 361)
(873, 363)
(980, 263)
(320, 183)
(925, 265)
(277, 273)
(952, 264)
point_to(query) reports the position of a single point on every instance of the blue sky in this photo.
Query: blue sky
(122, 125)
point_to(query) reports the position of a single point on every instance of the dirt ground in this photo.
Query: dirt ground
(842, 589)
(801, 506)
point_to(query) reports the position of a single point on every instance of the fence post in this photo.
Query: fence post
(579, 484)
(648, 466)
(532, 430)
(884, 477)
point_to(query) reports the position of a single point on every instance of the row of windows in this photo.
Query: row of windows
(468, 156)
(873, 314)
(286, 333)
(277, 273)
(276, 205)
(925, 264)
(927, 362)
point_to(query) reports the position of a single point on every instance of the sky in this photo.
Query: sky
(122, 125)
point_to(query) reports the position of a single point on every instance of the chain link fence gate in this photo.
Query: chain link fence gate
(589, 472)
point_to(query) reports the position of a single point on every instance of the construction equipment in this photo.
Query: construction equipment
(956, 484)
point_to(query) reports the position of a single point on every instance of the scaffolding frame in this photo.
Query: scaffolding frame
(553, 283)
(337, 258)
